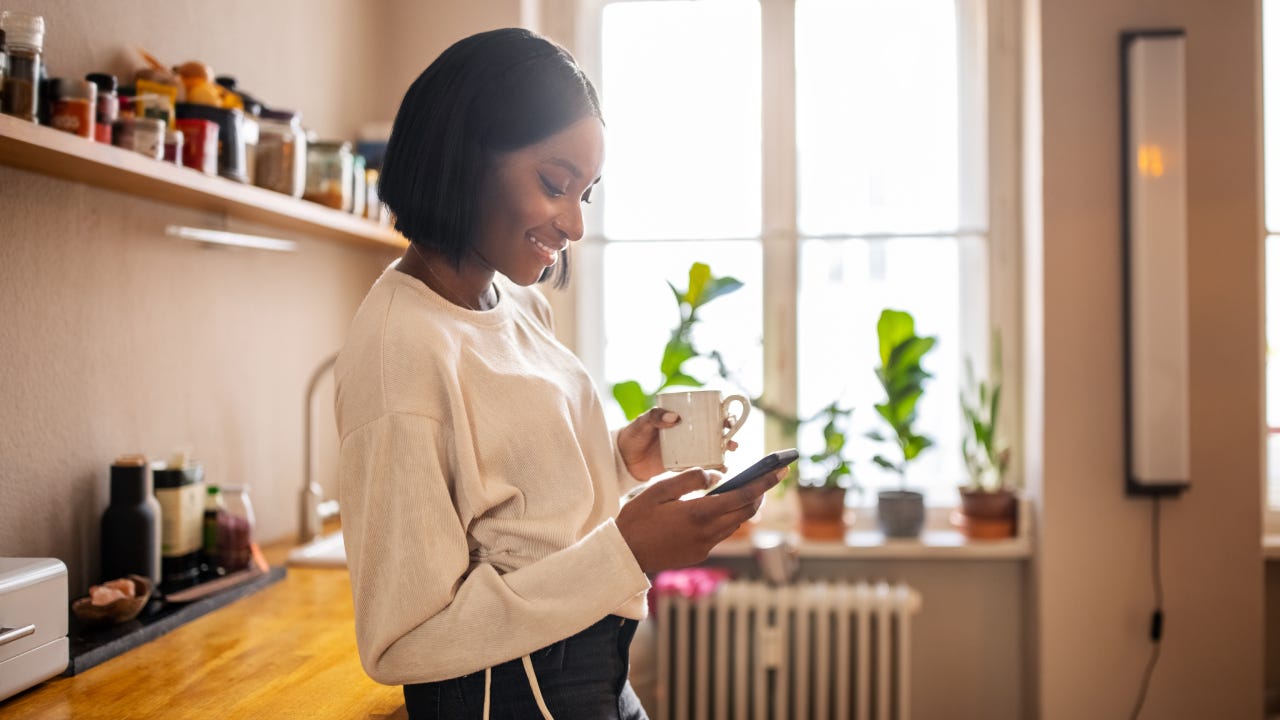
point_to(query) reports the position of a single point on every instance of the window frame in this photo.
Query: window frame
(998, 297)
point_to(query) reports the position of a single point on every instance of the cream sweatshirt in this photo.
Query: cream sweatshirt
(478, 484)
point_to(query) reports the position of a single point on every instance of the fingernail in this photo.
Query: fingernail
(670, 417)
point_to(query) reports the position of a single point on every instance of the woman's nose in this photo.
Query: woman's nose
(569, 223)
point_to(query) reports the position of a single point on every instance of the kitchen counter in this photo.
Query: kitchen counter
(286, 651)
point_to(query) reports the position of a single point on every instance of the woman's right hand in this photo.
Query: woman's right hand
(665, 532)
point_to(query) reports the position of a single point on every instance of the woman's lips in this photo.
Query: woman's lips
(548, 253)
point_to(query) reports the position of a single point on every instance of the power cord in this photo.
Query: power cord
(1157, 615)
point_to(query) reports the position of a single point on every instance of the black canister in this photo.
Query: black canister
(180, 491)
(131, 523)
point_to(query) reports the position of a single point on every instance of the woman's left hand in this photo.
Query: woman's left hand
(638, 443)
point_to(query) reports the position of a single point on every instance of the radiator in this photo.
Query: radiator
(808, 651)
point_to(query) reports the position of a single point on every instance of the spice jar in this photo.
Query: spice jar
(4, 66)
(107, 108)
(75, 108)
(142, 135)
(200, 144)
(372, 203)
(180, 491)
(357, 185)
(282, 153)
(329, 168)
(173, 146)
(24, 45)
(235, 530)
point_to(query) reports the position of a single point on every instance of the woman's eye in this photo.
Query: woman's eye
(586, 198)
(551, 189)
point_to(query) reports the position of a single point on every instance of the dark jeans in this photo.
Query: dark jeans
(584, 676)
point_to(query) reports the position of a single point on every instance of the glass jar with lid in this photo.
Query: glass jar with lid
(235, 529)
(282, 153)
(24, 50)
(329, 174)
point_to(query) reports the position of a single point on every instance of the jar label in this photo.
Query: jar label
(181, 519)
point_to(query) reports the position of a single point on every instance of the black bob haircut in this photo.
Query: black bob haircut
(489, 93)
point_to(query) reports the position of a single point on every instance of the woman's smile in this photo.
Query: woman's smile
(549, 253)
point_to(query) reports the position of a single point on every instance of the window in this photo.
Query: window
(1271, 203)
(856, 182)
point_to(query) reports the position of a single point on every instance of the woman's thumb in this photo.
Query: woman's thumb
(676, 486)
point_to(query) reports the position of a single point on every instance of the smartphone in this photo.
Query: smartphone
(765, 465)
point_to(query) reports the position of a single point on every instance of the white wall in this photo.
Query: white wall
(1092, 592)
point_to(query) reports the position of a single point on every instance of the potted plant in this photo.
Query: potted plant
(901, 511)
(822, 489)
(988, 505)
(703, 288)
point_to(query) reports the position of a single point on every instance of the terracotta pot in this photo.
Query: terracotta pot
(985, 515)
(822, 512)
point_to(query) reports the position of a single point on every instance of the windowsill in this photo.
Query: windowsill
(863, 541)
(872, 545)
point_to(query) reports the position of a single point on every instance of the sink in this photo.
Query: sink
(324, 551)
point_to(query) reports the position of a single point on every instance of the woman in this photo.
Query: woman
(492, 570)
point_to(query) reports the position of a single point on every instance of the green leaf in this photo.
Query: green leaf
(679, 296)
(915, 444)
(882, 462)
(699, 274)
(903, 408)
(717, 287)
(995, 413)
(893, 327)
(907, 354)
(887, 412)
(681, 380)
(632, 398)
(677, 351)
(876, 435)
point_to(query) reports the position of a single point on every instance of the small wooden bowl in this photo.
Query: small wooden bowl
(120, 611)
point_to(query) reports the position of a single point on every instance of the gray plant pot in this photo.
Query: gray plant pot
(901, 513)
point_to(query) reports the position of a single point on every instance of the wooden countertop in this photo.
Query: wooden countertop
(288, 650)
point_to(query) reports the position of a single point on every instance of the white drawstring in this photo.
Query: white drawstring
(488, 672)
(533, 685)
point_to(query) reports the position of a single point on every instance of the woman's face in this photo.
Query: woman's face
(531, 200)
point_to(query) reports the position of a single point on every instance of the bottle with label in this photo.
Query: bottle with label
(180, 491)
(131, 523)
(24, 47)
(214, 509)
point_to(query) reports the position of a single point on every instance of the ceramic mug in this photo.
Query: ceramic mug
(705, 426)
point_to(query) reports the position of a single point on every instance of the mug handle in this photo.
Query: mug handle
(738, 421)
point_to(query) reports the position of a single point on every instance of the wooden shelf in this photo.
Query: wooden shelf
(62, 155)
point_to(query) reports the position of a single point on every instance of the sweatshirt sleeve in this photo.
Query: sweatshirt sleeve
(423, 612)
(626, 481)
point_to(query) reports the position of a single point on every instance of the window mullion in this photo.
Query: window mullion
(780, 246)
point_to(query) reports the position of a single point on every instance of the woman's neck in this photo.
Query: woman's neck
(469, 285)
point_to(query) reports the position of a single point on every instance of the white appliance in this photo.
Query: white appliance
(33, 622)
(810, 650)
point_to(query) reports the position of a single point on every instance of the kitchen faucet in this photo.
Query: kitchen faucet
(314, 509)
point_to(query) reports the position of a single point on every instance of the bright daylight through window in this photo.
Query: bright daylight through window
(1271, 199)
(889, 204)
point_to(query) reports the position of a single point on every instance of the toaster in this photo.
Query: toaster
(33, 622)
